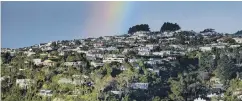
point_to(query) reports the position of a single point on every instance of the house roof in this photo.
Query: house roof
(48, 61)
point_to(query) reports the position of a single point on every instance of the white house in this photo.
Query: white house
(143, 49)
(117, 92)
(74, 64)
(144, 53)
(151, 46)
(37, 61)
(114, 59)
(107, 37)
(167, 34)
(141, 33)
(234, 46)
(162, 53)
(62, 53)
(199, 99)
(204, 49)
(176, 46)
(215, 80)
(70, 81)
(154, 70)
(139, 85)
(29, 53)
(45, 93)
(24, 83)
(111, 49)
(219, 46)
(238, 40)
(212, 95)
(133, 60)
(96, 64)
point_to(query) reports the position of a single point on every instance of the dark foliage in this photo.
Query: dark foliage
(141, 27)
(167, 26)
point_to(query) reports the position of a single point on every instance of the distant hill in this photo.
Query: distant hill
(238, 33)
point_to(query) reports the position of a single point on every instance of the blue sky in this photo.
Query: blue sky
(29, 23)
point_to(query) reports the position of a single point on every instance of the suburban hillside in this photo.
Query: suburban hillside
(143, 65)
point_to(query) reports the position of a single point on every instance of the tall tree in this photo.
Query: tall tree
(226, 68)
(141, 27)
(167, 26)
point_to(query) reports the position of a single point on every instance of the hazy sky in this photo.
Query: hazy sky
(28, 23)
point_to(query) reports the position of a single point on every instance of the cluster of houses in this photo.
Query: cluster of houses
(133, 48)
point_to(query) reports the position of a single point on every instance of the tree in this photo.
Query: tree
(181, 38)
(207, 30)
(53, 45)
(6, 57)
(77, 42)
(54, 53)
(206, 62)
(70, 58)
(176, 90)
(229, 40)
(234, 85)
(167, 26)
(226, 68)
(141, 27)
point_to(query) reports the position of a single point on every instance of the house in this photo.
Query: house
(96, 64)
(111, 49)
(234, 46)
(24, 83)
(199, 99)
(239, 97)
(151, 46)
(122, 67)
(43, 54)
(133, 60)
(29, 53)
(191, 49)
(204, 49)
(75, 64)
(48, 63)
(140, 34)
(154, 70)
(176, 46)
(238, 40)
(139, 85)
(114, 58)
(162, 53)
(218, 86)
(37, 61)
(167, 34)
(212, 95)
(12, 53)
(117, 92)
(70, 81)
(42, 45)
(46, 48)
(97, 44)
(5, 77)
(62, 53)
(215, 80)
(82, 51)
(45, 92)
(219, 46)
(144, 53)
(147, 49)
(107, 37)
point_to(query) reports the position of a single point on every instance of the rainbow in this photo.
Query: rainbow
(105, 18)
